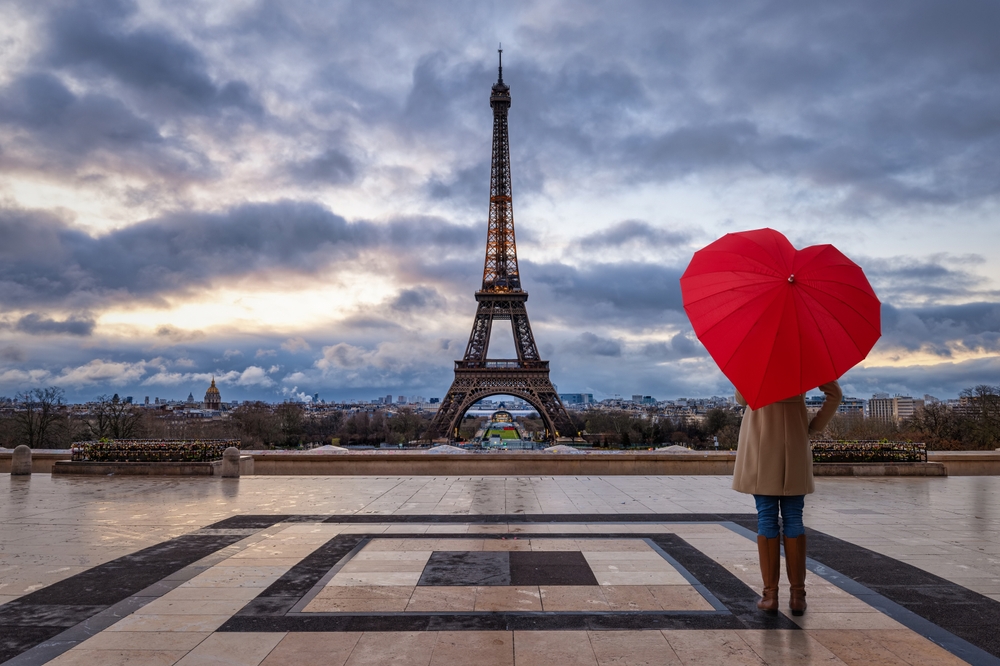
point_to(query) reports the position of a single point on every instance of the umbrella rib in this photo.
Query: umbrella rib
(775, 285)
(755, 298)
(757, 323)
(842, 301)
(826, 343)
(769, 270)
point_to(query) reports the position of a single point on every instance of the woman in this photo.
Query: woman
(774, 464)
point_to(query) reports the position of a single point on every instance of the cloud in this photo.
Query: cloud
(12, 353)
(295, 394)
(52, 130)
(912, 281)
(36, 324)
(636, 291)
(264, 353)
(419, 300)
(413, 362)
(942, 330)
(332, 167)
(680, 346)
(465, 186)
(46, 260)
(165, 378)
(342, 355)
(175, 335)
(295, 345)
(102, 373)
(170, 72)
(155, 156)
(634, 231)
(588, 344)
(254, 376)
(942, 380)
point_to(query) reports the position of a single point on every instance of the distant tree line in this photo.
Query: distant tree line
(973, 426)
(626, 429)
(40, 418)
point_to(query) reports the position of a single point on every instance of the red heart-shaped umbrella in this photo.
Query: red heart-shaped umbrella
(779, 321)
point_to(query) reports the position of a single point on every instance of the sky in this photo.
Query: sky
(292, 197)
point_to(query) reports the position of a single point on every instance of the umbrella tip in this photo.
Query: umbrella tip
(791, 278)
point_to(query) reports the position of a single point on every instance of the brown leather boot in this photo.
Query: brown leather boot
(795, 565)
(770, 571)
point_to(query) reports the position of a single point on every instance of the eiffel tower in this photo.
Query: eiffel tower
(501, 299)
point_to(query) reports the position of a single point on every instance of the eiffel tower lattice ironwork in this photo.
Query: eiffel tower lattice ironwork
(501, 299)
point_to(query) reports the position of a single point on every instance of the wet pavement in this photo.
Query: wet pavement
(487, 570)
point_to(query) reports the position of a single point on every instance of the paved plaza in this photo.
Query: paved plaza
(487, 570)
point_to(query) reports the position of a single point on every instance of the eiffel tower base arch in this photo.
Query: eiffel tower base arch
(473, 384)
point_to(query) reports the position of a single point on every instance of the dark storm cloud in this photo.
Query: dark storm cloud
(589, 344)
(45, 260)
(940, 329)
(36, 324)
(57, 130)
(93, 40)
(926, 280)
(639, 231)
(41, 102)
(419, 300)
(12, 353)
(711, 146)
(642, 293)
(943, 380)
(682, 345)
(332, 167)
(465, 186)
(893, 102)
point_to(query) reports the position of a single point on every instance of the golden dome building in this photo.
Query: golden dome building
(213, 399)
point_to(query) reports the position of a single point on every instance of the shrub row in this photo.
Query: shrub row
(152, 450)
(868, 451)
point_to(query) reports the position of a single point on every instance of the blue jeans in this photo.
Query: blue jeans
(791, 515)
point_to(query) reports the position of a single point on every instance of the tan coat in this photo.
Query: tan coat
(774, 456)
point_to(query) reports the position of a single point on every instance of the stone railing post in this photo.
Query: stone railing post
(231, 463)
(20, 461)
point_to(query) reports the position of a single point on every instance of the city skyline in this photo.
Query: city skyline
(294, 200)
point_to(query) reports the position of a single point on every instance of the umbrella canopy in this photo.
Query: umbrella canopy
(779, 321)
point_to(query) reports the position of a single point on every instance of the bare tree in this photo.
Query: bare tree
(406, 425)
(256, 424)
(938, 426)
(290, 419)
(114, 418)
(982, 411)
(38, 415)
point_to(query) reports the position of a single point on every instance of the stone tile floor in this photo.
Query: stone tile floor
(55, 531)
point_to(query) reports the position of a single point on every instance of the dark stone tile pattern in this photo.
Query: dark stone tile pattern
(966, 614)
(727, 588)
(496, 621)
(550, 568)
(462, 567)
(284, 593)
(271, 613)
(969, 615)
(41, 615)
(261, 522)
(507, 568)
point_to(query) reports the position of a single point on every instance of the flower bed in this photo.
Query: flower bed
(884, 451)
(152, 450)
